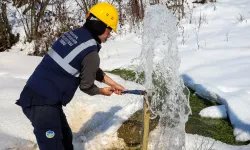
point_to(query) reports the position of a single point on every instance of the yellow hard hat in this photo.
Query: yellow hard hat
(107, 13)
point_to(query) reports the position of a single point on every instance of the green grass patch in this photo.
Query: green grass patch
(129, 75)
(218, 129)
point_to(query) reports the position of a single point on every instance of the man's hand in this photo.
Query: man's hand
(118, 89)
(107, 91)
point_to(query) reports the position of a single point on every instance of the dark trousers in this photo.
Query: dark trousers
(51, 128)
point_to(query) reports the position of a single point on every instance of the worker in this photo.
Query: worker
(71, 62)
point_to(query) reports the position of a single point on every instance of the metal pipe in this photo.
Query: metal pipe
(146, 118)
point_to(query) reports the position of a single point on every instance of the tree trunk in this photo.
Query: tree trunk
(142, 9)
(85, 6)
(120, 13)
(135, 10)
(5, 29)
(40, 14)
(7, 39)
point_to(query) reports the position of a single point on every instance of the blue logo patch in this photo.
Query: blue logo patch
(50, 134)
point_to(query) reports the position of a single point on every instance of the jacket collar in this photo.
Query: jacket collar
(93, 33)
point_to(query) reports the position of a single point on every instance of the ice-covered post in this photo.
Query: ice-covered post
(146, 118)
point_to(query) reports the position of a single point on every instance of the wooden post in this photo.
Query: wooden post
(146, 118)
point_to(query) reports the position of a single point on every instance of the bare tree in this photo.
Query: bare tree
(7, 39)
(121, 20)
(56, 21)
(203, 1)
(135, 11)
(31, 16)
(177, 7)
(86, 4)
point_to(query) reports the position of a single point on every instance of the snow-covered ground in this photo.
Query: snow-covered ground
(218, 70)
(214, 59)
(90, 117)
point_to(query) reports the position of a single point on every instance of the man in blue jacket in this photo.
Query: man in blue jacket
(71, 62)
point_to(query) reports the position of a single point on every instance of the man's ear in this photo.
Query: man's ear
(87, 15)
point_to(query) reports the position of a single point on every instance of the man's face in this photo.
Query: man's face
(104, 37)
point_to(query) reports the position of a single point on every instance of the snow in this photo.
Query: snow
(219, 69)
(120, 52)
(88, 115)
(214, 62)
(195, 142)
(214, 112)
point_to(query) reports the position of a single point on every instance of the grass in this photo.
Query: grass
(218, 129)
(128, 75)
